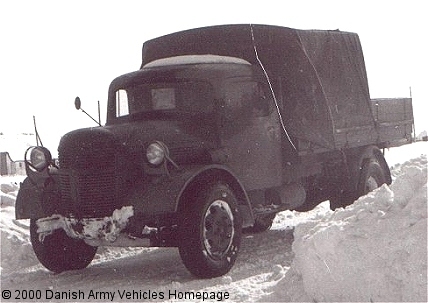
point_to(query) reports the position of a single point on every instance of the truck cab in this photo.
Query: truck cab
(204, 108)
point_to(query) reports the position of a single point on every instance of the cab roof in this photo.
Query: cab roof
(195, 59)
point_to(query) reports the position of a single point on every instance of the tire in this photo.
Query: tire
(58, 252)
(261, 224)
(371, 176)
(210, 232)
(343, 200)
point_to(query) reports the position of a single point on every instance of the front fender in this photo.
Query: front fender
(28, 203)
(35, 201)
(166, 196)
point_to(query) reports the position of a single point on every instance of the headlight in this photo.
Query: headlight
(156, 153)
(40, 158)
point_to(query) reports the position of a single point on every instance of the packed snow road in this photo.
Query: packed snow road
(264, 258)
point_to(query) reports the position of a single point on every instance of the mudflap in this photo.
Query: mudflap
(36, 201)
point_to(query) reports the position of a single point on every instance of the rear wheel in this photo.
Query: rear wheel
(371, 176)
(58, 252)
(210, 232)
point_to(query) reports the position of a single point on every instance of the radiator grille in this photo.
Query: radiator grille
(93, 157)
(89, 179)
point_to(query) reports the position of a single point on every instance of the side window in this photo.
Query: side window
(122, 105)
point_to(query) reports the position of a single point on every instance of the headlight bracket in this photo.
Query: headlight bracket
(157, 155)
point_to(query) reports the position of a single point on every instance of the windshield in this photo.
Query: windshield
(188, 97)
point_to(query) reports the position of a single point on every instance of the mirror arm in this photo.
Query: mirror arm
(90, 116)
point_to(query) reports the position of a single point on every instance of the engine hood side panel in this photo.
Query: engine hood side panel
(187, 141)
(162, 196)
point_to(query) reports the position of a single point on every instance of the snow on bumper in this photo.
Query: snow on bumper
(107, 228)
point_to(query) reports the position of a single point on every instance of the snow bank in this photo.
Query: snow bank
(16, 250)
(373, 250)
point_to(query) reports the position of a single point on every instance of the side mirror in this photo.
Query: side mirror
(77, 103)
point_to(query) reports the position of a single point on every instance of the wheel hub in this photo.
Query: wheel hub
(218, 229)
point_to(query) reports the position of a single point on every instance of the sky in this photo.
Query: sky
(53, 51)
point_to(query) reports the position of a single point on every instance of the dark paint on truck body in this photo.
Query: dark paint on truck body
(321, 89)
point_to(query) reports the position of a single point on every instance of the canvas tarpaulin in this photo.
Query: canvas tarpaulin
(319, 77)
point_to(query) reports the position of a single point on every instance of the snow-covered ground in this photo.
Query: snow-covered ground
(374, 250)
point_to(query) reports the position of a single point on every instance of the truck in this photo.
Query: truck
(221, 128)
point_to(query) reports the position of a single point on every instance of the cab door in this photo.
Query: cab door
(250, 133)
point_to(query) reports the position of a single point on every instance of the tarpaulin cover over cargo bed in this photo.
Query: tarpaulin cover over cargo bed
(319, 77)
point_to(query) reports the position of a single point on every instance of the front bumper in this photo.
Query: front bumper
(105, 229)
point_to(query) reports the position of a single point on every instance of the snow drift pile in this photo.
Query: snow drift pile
(373, 250)
(16, 250)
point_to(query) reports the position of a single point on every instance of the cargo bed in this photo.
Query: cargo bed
(319, 78)
(394, 120)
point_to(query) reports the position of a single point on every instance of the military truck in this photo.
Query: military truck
(221, 128)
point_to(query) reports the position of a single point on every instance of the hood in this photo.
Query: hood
(189, 141)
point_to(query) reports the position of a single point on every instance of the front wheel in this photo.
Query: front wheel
(58, 252)
(210, 232)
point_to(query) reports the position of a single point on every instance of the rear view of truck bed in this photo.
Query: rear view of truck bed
(394, 120)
